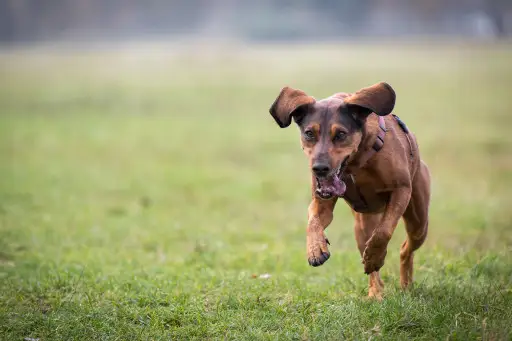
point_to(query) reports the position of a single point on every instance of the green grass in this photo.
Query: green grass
(143, 188)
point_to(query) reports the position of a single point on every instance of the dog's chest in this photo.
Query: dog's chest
(364, 197)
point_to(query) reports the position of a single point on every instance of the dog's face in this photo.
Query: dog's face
(331, 133)
(331, 129)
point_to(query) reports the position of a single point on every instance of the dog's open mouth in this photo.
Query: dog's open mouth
(332, 185)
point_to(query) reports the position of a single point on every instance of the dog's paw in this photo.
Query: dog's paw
(374, 254)
(318, 253)
(374, 294)
(373, 260)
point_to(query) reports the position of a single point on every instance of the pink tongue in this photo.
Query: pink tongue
(339, 186)
(332, 186)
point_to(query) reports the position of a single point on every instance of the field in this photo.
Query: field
(145, 188)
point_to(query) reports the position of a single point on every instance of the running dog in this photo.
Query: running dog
(360, 152)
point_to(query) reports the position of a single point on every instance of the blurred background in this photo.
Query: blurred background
(267, 20)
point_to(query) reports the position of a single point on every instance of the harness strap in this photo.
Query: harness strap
(379, 142)
(352, 194)
(406, 131)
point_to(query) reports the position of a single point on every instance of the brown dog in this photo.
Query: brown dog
(358, 151)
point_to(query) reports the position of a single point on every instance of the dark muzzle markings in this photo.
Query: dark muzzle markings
(332, 185)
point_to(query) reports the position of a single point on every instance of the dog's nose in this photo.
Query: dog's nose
(321, 169)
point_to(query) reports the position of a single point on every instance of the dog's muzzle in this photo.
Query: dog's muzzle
(332, 185)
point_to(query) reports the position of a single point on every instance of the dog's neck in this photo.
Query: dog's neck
(369, 145)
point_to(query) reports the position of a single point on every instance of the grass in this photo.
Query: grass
(145, 189)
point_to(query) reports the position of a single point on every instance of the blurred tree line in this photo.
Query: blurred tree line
(29, 20)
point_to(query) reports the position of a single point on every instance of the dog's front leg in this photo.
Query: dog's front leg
(376, 247)
(319, 217)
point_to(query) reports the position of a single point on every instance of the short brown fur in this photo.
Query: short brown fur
(394, 181)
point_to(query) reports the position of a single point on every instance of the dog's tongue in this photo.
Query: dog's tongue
(331, 186)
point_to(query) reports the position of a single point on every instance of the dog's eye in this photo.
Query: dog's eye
(309, 135)
(340, 136)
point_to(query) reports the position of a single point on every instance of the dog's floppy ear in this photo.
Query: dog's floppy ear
(290, 103)
(378, 98)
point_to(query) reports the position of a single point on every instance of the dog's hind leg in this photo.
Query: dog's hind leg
(363, 228)
(416, 223)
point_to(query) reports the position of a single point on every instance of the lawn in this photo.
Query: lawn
(145, 189)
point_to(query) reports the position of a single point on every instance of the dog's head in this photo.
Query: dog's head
(332, 128)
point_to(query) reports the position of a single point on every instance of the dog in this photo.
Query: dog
(360, 152)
